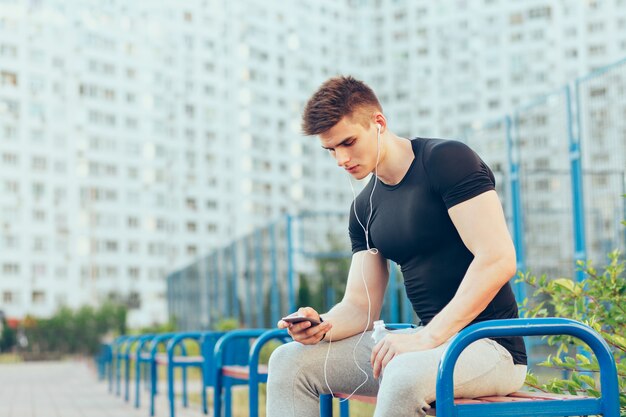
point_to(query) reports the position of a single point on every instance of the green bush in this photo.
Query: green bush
(7, 337)
(73, 331)
(599, 300)
(226, 324)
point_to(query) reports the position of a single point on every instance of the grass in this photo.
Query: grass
(240, 404)
(10, 358)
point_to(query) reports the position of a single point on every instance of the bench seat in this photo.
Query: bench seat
(519, 396)
(241, 372)
(161, 359)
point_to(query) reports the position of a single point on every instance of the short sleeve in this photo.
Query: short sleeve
(457, 173)
(356, 232)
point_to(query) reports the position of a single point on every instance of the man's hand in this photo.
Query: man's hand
(303, 332)
(396, 344)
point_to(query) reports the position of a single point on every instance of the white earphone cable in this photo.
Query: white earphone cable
(373, 251)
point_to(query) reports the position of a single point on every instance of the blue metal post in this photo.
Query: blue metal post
(275, 295)
(326, 405)
(407, 310)
(170, 384)
(224, 280)
(393, 293)
(330, 296)
(580, 251)
(235, 280)
(247, 281)
(290, 267)
(344, 408)
(258, 257)
(516, 205)
(214, 307)
(127, 372)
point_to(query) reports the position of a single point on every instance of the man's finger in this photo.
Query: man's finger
(300, 327)
(316, 332)
(388, 357)
(376, 365)
(375, 351)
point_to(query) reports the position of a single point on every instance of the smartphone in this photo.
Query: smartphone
(299, 319)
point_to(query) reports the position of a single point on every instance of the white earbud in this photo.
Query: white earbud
(378, 126)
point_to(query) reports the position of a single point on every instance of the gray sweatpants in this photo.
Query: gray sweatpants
(406, 388)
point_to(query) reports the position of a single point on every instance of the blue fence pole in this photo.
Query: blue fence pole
(580, 252)
(235, 279)
(275, 294)
(247, 282)
(224, 279)
(516, 205)
(259, 278)
(407, 309)
(290, 266)
(217, 297)
(393, 293)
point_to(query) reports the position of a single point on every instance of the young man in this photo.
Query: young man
(431, 207)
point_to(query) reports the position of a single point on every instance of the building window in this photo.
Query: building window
(133, 247)
(38, 297)
(10, 269)
(539, 13)
(133, 222)
(7, 297)
(134, 272)
(8, 78)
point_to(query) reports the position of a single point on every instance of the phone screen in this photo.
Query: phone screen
(300, 319)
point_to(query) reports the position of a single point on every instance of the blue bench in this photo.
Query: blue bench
(206, 343)
(156, 358)
(249, 372)
(518, 404)
(118, 356)
(104, 361)
(143, 359)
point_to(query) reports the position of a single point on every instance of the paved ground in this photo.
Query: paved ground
(67, 389)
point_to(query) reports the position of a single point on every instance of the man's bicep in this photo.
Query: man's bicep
(371, 270)
(481, 224)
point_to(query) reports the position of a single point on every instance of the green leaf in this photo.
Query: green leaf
(531, 379)
(588, 380)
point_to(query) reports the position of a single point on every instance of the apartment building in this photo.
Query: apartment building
(137, 136)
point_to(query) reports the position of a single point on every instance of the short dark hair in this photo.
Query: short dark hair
(337, 97)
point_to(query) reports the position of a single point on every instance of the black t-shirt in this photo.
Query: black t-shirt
(410, 225)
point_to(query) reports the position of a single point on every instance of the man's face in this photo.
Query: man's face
(353, 146)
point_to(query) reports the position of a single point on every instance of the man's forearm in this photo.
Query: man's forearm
(480, 285)
(348, 319)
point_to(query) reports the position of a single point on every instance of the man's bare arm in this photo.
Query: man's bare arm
(482, 227)
(349, 316)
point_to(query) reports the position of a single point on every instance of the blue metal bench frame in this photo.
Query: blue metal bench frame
(161, 339)
(607, 404)
(142, 357)
(118, 353)
(104, 361)
(256, 378)
(224, 383)
(127, 356)
(206, 343)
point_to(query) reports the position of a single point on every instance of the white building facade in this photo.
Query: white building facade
(137, 136)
